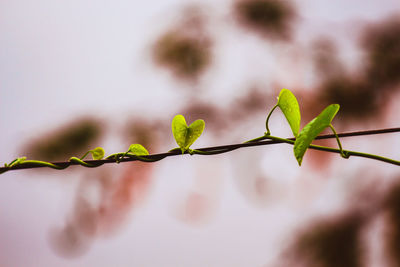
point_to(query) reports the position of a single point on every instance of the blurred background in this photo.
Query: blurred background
(79, 74)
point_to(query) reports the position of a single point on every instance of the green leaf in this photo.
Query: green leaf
(138, 150)
(97, 153)
(184, 135)
(287, 102)
(312, 130)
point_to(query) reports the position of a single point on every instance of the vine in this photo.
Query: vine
(186, 135)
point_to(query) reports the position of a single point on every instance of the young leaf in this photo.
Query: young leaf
(15, 162)
(287, 102)
(184, 135)
(312, 130)
(138, 150)
(97, 153)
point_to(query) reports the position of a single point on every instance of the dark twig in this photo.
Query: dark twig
(210, 150)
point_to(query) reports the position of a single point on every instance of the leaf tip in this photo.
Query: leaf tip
(298, 155)
(299, 160)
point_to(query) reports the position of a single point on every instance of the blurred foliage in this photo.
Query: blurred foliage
(330, 243)
(255, 100)
(360, 96)
(270, 18)
(69, 242)
(382, 43)
(356, 98)
(213, 116)
(185, 55)
(69, 140)
(325, 57)
(392, 230)
(145, 132)
(355, 95)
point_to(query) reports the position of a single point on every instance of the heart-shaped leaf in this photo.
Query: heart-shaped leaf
(312, 130)
(287, 102)
(186, 135)
(138, 150)
(97, 153)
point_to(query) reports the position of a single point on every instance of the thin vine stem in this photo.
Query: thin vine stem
(342, 152)
(263, 140)
(267, 120)
(335, 150)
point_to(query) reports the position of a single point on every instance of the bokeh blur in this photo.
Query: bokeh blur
(75, 75)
